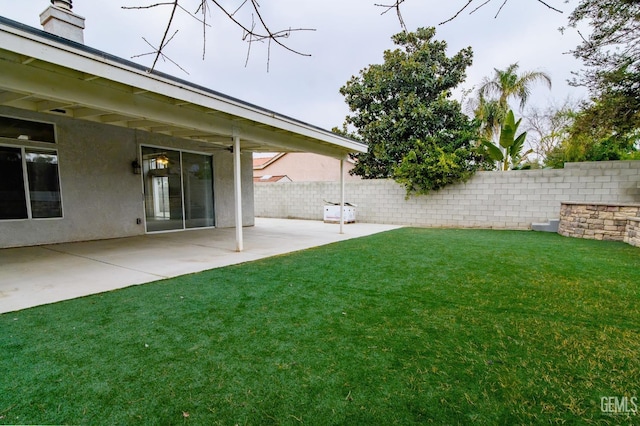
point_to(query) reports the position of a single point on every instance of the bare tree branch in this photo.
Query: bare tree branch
(260, 31)
(275, 35)
(240, 7)
(250, 35)
(203, 8)
(396, 7)
(166, 32)
(461, 10)
(504, 2)
(550, 7)
(246, 62)
(150, 6)
(478, 7)
(160, 53)
(500, 9)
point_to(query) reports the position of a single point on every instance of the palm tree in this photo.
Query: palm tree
(492, 103)
(491, 115)
(508, 84)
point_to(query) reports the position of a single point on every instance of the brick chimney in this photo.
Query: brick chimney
(58, 19)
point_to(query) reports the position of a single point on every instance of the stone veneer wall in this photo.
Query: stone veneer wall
(632, 234)
(599, 221)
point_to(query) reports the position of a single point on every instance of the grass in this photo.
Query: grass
(405, 327)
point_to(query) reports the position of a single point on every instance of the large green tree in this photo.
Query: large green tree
(404, 106)
(607, 127)
(588, 137)
(611, 55)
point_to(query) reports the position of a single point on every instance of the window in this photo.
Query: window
(29, 180)
(14, 128)
(13, 201)
(178, 189)
(29, 183)
(44, 183)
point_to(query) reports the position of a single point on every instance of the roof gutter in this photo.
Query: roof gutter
(29, 41)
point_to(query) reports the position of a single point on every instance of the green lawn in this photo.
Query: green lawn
(409, 326)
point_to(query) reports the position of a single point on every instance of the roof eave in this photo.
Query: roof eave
(42, 46)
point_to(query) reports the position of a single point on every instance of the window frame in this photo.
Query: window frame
(24, 150)
(42, 122)
(180, 151)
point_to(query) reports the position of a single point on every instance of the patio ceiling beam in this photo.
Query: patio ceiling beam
(9, 96)
(57, 71)
(98, 100)
(218, 140)
(112, 118)
(83, 112)
(83, 65)
(44, 106)
(288, 142)
(163, 128)
(136, 124)
(63, 88)
(189, 133)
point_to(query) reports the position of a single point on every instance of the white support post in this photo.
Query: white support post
(237, 178)
(342, 196)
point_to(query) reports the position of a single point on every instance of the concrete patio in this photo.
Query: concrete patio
(32, 276)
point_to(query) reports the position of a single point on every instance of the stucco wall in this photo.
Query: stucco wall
(504, 200)
(101, 196)
(306, 167)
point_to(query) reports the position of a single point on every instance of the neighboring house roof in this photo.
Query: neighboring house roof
(301, 167)
(43, 72)
(269, 178)
(260, 163)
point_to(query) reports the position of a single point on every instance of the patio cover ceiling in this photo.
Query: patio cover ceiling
(46, 73)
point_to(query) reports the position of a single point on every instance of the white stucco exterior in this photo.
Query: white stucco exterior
(105, 109)
(101, 196)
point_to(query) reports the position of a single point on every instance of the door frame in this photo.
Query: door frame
(180, 151)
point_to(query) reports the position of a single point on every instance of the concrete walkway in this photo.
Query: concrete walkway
(32, 276)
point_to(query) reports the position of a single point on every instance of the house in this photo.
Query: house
(93, 146)
(298, 167)
(271, 178)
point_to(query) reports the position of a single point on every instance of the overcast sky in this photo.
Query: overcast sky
(348, 36)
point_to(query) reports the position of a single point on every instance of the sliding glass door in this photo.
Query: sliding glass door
(178, 188)
(198, 190)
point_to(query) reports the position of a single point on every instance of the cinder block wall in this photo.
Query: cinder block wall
(503, 200)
